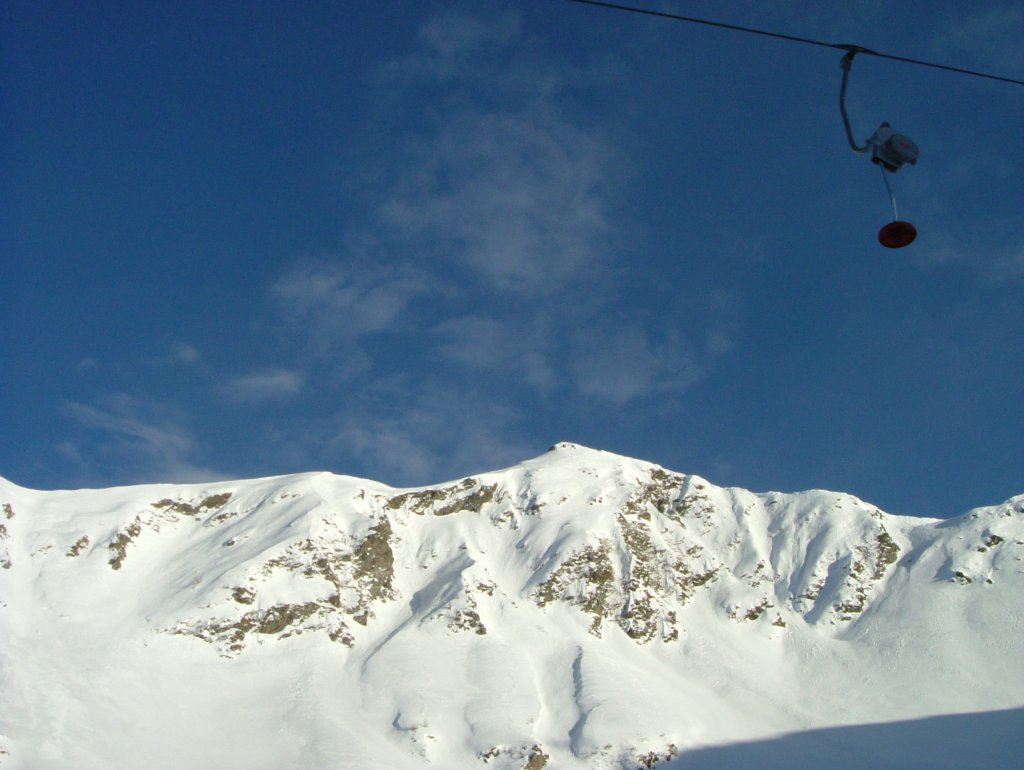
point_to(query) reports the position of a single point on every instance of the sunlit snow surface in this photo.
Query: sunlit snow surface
(580, 610)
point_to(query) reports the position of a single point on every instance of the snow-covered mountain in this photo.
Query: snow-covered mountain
(579, 610)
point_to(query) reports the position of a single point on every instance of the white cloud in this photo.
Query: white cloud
(69, 450)
(496, 199)
(427, 434)
(262, 387)
(396, 454)
(454, 35)
(519, 197)
(451, 43)
(184, 353)
(474, 341)
(519, 349)
(146, 441)
(337, 303)
(638, 353)
(176, 354)
(507, 179)
(989, 247)
(625, 364)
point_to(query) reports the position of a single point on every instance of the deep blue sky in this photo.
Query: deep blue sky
(413, 241)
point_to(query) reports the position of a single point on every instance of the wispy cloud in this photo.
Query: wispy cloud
(147, 441)
(418, 435)
(451, 38)
(506, 180)
(335, 304)
(409, 431)
(184, 353)
(484, 274)
(263, 387)
(178, 353)
(517, 197)
(990, 248)
(627, 363)
(622, 357)
(519, 349)
(516, 182)
(612, 360)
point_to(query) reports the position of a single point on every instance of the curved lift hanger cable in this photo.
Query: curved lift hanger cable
(888, 149)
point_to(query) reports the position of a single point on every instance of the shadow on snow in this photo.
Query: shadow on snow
(989, 739)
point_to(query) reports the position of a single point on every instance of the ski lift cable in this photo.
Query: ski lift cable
(796, 39)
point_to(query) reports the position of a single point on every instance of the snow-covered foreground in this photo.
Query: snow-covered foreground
(579, 610)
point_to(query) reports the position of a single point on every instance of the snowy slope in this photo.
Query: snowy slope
(579, 610)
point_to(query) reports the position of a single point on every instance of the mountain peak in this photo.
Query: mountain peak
(566, 446)
(578, 453)
(569, 608)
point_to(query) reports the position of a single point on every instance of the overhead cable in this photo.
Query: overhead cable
(795, 39)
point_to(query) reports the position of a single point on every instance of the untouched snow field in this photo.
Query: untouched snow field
(579, 610)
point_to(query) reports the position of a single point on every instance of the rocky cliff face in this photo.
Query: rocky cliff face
(537, 593)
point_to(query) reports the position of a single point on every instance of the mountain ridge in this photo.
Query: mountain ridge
(572, 608)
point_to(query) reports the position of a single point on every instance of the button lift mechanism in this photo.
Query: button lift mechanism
(889, 151)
